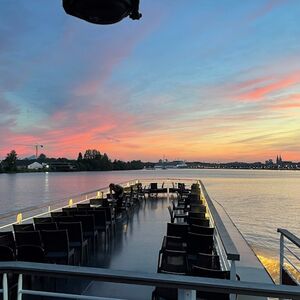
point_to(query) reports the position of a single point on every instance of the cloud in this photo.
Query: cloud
(265, 9)
(259, 89)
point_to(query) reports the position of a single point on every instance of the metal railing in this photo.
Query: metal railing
(288, 254)
(227, 249)
(182, 283)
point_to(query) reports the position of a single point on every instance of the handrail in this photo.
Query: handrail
(230, 249)
(155, 279)
(290, 236)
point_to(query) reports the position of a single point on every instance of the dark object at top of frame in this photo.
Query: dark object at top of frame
(103, 11)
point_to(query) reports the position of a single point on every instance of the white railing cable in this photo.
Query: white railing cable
(283, 256)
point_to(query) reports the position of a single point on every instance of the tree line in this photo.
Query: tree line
(91, 160)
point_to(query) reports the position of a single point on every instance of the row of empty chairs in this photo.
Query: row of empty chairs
(188, 247)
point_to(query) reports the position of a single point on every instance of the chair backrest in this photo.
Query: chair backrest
(28, 238)
(211, 273)
(100, 217)
(23, 227)
(202, 229)
(63, 219)
(31, 253)
(173, 243)
(199, 243)
(74, 230)
(71, 211)
(46, 226)
(84, 205)
(197, 207)
(42, 220)
(87, 222)
(58, 214)
(173, 262)
(153, 185)
(96, 201)
(55, 240)
(6, 253)
(108, 212)
(179, 230)
(7, 239)
(198, 221)
(199, 215)
(209, 261)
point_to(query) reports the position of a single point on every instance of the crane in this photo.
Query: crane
(36, 146)
(102, 11)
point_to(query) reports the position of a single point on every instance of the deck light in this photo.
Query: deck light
(19, 218)
(102, 11)
(70, 202)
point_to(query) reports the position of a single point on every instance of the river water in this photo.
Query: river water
(258, 201)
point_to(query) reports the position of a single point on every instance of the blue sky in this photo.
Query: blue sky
(212, 80)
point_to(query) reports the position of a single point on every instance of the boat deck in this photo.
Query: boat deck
(135, 247)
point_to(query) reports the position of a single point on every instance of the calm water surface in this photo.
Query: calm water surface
(258, 201)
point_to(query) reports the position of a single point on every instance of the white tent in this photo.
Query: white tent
(35, 166)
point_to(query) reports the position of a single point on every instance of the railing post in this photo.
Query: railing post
(281, 257)
(20, 286)
(4, 287)
(186, 294)
(232, 276)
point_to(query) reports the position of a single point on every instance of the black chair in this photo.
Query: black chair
(202, 229)
(173, 243)
(199, 215)
(199, 243)
(57, 247)
(172, 262)
(58, 214)
(84, 205)
(76, 239)
(200, 208)
(211, 273)
(70, 211)
(110, 219)
(175, 216)
(31, 253)
(177, 229)
(153, 190)
(6, 253)
(46, 226)
(88, 228)
(209, 261)
(62, 219)
(178, 207)
(23, 227)
(42, 220)
(28, 238)
(198, 221)
(100, 222)
(7, 239)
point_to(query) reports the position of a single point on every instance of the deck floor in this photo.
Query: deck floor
(135, 247)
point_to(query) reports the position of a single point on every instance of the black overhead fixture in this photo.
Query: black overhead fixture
(103, 11)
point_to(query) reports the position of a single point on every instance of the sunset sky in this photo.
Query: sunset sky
(205, 80)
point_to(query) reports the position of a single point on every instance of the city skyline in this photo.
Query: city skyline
(211, 81)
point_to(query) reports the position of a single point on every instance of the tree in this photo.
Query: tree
(10, 162)
(79, 158)
(92, 154)
(42, 157)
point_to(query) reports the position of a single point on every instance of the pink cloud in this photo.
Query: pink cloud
(259, 89)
